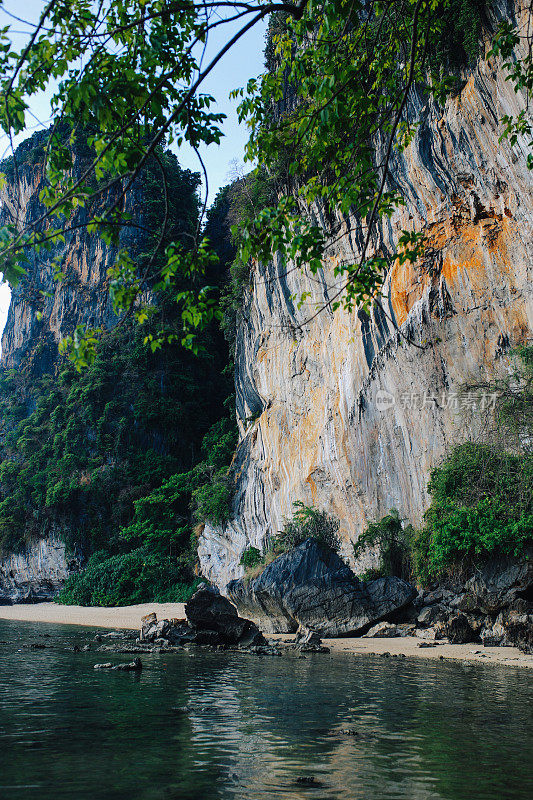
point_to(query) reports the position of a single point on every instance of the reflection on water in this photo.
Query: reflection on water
(324, 727)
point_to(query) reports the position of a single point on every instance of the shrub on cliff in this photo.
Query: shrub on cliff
(392, 542)
(308, 523)
(251, 557)
(482, 494)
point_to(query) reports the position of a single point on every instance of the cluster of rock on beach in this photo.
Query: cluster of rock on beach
(312, 593)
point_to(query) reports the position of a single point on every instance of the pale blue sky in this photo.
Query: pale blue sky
(241, 63)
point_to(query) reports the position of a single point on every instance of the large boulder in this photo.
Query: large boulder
(519, 631)
(500, 583)
(207, 605)
(459, 630)
(208, 611)
(311, 586)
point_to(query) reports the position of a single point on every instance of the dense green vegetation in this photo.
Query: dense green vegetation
(481, 505)
(391, 541)
(125, 457)
(481, 495)
(251, 557)
(113, 460)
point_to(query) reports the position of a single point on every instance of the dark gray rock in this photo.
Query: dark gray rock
(147, 623)
(433, 596)
(459, 630)
(430, 615)
(519, 631)
(307, 636)
(207, 610)
(308, 641)
(314, 648)
(150, 631)
(264, 650)
(383, 630)
(133, 666)
(498, 584)
(313, 587)
(207, 605)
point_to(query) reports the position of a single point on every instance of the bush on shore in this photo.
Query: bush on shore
(135, 577)
(482, 505)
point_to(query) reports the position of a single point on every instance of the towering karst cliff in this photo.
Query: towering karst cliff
(77, 450)
(42, 311)
(349, 414)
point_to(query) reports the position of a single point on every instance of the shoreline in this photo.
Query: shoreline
(114, 617)
(129, 618)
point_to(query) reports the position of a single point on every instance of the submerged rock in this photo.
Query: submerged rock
(313, 587)
(211, 621)
(133, 666)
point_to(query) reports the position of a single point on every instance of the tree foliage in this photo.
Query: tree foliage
(116, 442)
(482, 494)
(391, 540)
(325, 121)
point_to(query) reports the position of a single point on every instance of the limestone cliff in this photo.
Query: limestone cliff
(44, 310)
(36, 574)
(350, 414)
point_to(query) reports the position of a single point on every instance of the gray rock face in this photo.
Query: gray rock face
(312, 587)
(498, 584)
(459, 630)
(347, 414)
(383, 630)
(430, 615)
(519, 631)
(208, 612)
(37, 574)
(31, 338)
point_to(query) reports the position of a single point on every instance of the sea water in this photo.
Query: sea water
(202, 725)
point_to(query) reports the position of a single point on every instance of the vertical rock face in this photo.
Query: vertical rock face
(44, 310)
(37, 574)
(349, 414)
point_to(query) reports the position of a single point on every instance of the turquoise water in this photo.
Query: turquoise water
(256, 725)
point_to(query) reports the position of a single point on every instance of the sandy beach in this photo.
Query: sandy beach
(125, 617)
(128, 618)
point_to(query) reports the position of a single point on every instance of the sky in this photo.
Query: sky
(244, 61)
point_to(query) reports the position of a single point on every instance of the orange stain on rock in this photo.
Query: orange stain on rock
(456, 251)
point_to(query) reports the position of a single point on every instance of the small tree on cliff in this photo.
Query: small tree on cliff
(326, 120)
